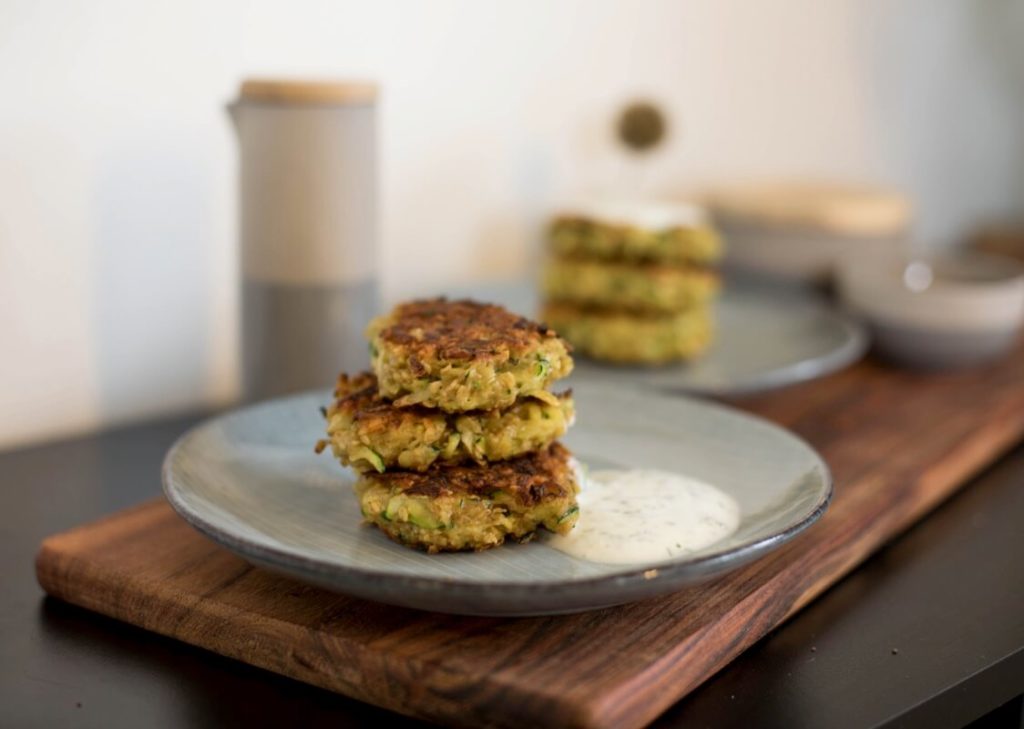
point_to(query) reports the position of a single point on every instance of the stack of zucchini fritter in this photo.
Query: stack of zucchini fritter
(632, 293)
(454, 431)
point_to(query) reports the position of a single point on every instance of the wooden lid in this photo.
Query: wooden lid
(1004, 238)
(284, 91)
(835, 208)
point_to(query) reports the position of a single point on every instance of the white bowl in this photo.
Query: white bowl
(944, 311)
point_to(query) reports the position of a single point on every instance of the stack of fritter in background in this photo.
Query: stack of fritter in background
(633, 283)
(454, 434)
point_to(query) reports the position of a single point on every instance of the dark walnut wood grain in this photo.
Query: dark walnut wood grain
(898, 444)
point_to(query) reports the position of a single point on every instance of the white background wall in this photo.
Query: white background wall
(117, 164)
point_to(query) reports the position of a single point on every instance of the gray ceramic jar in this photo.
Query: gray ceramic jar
(308, 215)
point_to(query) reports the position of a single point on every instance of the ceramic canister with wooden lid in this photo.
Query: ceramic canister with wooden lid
(308, 210)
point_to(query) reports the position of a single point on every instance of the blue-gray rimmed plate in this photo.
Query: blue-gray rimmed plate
(767, 335)
(251, 481)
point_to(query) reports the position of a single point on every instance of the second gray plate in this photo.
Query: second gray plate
(768, 336)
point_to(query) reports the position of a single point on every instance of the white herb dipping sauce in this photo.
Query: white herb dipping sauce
(641, 516)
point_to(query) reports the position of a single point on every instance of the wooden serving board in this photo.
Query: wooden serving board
(898, 444)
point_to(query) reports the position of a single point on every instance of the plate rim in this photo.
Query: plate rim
(849, 353)
(852, 350)
(288, 561)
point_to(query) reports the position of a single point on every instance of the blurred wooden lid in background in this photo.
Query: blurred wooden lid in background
(1004, 238)
(306, 92)
(829, 207)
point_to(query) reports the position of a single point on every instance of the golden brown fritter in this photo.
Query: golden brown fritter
(641, 288)
(528, 479)
(625, 338)
(574, 235)
(461, 331)
(463, 355)
(454, 508)
(370, 433)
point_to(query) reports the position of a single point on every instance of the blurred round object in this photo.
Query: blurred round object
(797, 231)
(642, 126)
(950, 310)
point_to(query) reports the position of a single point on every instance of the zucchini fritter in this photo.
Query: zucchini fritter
(456, 508)
(463, 355)
(652, 288)
(370, 434)
(574, 235)
(626, 338)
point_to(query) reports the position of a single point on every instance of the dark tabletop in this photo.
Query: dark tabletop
(929, 632)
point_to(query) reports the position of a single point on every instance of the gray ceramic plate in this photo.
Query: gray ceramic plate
(251, 481)
(768, 336)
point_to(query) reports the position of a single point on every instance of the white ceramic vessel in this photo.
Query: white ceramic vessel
(945, 311)
(307, 181)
